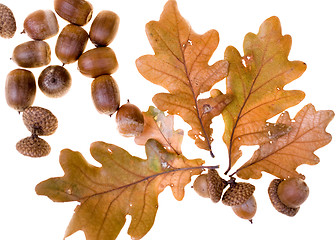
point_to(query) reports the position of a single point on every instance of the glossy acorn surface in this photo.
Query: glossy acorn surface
(246, 210)
(130, 121)
(54, 81)
(293, 192)
(41, 24)
(20, 89)
(32, 54)
(104, 28)
(105, 94)
(98, 61)
(71, 43)
(78, 12)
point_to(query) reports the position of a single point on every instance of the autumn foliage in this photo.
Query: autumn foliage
(255, 81)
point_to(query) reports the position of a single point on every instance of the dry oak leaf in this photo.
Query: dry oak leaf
(180, 65)
(160, 127)
(256, 81)
(123, 185)
(282, 156)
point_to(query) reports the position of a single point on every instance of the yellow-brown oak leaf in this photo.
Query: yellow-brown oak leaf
(256, 81)
(123, 185)
(180, 65)
(160, 127)
(281, 157)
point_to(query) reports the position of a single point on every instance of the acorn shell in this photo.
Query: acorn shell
(39, 121)
(41, 24)
(97, 62)
(20, 89)
(78, 12)
(7, 22)
(104, 28)
(130, 121)
(71, 43)
(54, 81)
(33, 146)
(238, 193)
(277, 204)
(105, 94)
(32, 54)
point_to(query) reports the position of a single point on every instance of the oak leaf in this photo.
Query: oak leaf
(282, 156)
(160, 127)
(123, 185)
(256, 80)
(180, 65)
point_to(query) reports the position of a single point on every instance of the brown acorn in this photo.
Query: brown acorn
(216, 185)
(32, 54)
(130, 121)
(39, 121)
(201, 185)
(78, 12)
(41, 24)
(105, 94)
(246, 210)
(277, 204)
(54, 81)
(71, 43)
(238, 193)
(33, 146)
(7, 22)
(104, 28)
(20, 89)
(98, 61)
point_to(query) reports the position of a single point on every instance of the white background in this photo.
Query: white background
(24, 215)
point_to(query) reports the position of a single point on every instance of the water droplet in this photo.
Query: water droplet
(69, 191)
(110, 150)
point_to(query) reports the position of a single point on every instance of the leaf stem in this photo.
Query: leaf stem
(149, 177)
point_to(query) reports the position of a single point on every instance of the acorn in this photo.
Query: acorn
(293, 192)
(32, 54)
(104, 28)
(20, 89)
(105, 94)
(78, 12)
(216, 185)
(71, 43)
(39, 121)
(41, 25)
(238, 193)
(98, 61)
(246, 210)
(201, 186)
(130, 121)
(276, 202)
(33, 146)
(54, 81)
(7, 22)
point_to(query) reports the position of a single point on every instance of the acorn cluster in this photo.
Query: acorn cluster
(239, 195)
(286, 195)
(55, 81)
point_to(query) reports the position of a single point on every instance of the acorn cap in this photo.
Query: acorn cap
(39, 121)
(277, 204)
(216, 185)
(33, 147)
(238, 193)
(7, 22)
